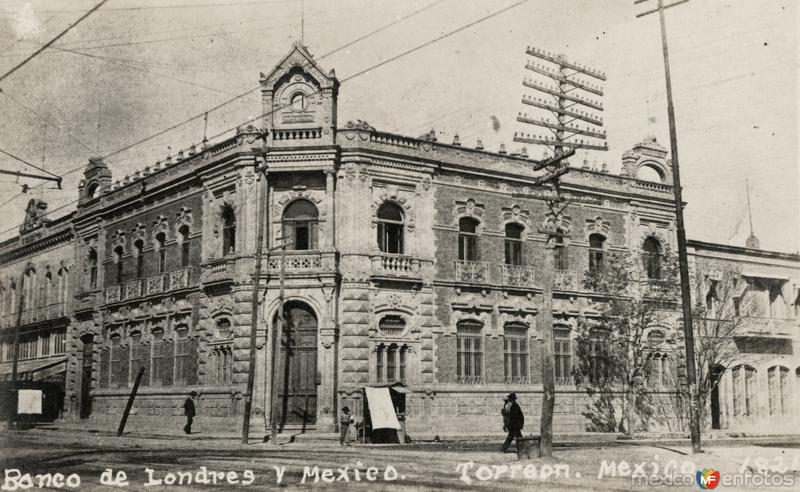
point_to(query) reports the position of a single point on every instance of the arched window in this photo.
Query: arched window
(514, 244)
(92, 268)
(93, 190)
(47, 288)
(30, 288)
(158, 361)
(469, 352)
(652, 258)
(468, 239)
(118, 265)
(228, 230)
(778, 379)
(161, 249)
(183, 235)
(116, 377)
(300, 220)
(390, 228)
(515, 353)
(562, 351)
(138, 250)
(137, 359)
(596, 252)
(711, 298)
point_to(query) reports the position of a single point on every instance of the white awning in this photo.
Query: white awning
(381, 409)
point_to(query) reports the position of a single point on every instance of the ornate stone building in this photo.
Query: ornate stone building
(36, 274)
(408, 260)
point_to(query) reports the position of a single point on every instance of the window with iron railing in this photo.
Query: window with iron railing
(513, 244)
(300, 225)
(596, 252)
(468, 239)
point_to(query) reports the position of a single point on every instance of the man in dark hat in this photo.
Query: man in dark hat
(188, 410)
(513, 420)
(344, 426)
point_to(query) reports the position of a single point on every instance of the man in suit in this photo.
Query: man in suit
(189, 411)
(513, 421)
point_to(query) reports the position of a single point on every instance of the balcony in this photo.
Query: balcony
(152, 285)
(34, 315)
(565, 280)
(517, 275)
(476, 272)
(219, 270)
(393, 265)
(759, 326)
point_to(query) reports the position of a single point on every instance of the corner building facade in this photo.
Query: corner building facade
(408, 260)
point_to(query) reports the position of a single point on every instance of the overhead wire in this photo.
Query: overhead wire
(350, 77)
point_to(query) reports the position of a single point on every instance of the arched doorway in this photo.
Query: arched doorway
(296, 368)
(86, 376)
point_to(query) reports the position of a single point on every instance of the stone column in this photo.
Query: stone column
(326, 373)
(329, 240)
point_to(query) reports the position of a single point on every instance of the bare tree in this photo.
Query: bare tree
(640, 299)
(721, 314)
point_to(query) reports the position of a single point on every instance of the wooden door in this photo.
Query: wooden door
(296, 368)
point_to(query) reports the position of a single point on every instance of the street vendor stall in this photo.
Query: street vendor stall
(384, 413)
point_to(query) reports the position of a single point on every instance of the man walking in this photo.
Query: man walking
(513, 421)
(189, 411)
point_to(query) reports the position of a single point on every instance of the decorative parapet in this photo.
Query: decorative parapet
(113, 294)
(179, 279)
(476, 272)
(155, 284)
(132, 289)
(517, 275)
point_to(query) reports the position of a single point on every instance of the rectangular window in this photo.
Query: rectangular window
(116, 362)
(736, 375)
(749, 390)
(181, 356)
(402, 354)
(469, 353)
(60, 342)
(137, 357)
(157, 359)
(560, 254)
(562, 351)
(784, 391)
(513, 252)
(515, 354)
(391, 363)
(467, 247)
(380, 364)
(44, 344)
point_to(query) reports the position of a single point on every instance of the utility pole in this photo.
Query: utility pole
(251, 374)
(277, 329)
(12, 415)
(683, 259)
(567, 107)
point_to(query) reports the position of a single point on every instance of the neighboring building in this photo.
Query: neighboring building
(410, 260)
(759, 383)
(39, 264)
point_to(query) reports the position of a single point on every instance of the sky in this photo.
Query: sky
(137, 67)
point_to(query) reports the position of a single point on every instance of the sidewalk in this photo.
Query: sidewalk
(211, 431)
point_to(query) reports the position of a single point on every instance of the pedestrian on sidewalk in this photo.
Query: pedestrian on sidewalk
(513, 421)
(189, 411)
(344, 426)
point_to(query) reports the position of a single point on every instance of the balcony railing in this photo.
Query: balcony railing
(393, 264)
(297, 262)
(565, 280)
(113, 294)
(476, 272)
(33, 315)
(517, 275)
(133, 289)
(154, 284)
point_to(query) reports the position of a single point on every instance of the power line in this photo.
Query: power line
(49, 43)
(184, 6)
(350, 77)
(46, 120)
(28, 163)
